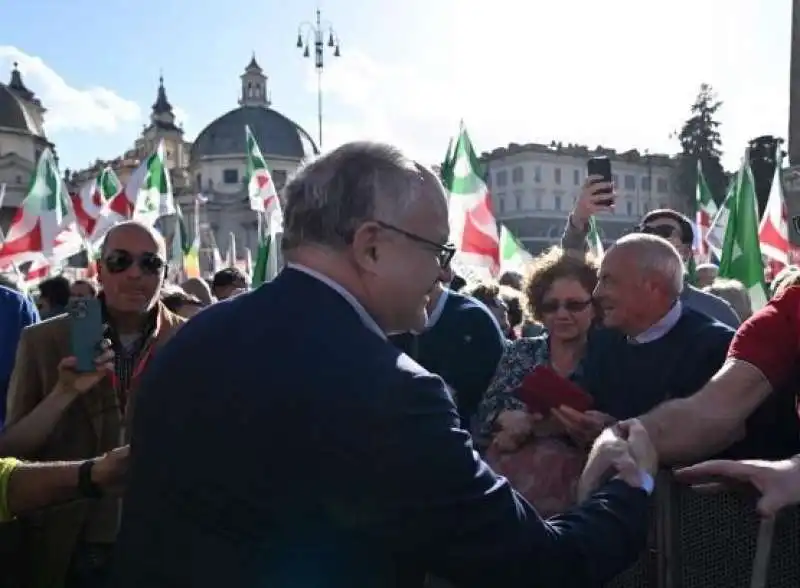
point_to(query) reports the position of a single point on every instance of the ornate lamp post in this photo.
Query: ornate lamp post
(309, 34)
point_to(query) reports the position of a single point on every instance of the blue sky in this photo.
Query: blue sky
(620, 73)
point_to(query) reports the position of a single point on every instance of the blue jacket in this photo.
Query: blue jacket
(17, 311)
(279, 441)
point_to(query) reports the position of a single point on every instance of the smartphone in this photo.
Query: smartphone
(544, 389)
(86, 331)
(601, 166)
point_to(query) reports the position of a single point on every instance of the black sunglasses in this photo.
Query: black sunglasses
(446, 252)
(552, 306)
(119, 260)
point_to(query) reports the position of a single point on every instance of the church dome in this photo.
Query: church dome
(276, 134)
(16, 102)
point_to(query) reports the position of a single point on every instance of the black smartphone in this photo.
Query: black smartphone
(601, 166)
(86, 331)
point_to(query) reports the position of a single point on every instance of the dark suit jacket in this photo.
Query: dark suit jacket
(278, 441)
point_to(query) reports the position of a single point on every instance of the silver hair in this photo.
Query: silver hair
(656, 255)
(134, 224)
(330, 197)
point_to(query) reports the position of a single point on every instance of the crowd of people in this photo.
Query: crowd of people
(365, 420)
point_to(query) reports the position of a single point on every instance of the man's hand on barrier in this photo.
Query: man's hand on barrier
(777, 481)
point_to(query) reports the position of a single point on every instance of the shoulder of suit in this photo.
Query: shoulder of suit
(702, 323)
(53, 327)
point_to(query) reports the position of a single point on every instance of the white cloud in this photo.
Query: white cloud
(94, 109)
(620, 74)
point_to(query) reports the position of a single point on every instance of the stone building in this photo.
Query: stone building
(22, 139)
(213, 165)
(534, 188)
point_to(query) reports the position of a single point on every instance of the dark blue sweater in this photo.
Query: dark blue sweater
(16, 312)
(463, 347)
(628, 379)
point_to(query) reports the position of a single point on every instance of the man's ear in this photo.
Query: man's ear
(365, 245)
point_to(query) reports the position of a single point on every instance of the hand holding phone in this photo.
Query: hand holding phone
(91, 357)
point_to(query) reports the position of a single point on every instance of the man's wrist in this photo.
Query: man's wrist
(577, 224)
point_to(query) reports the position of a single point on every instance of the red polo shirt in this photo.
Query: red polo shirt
(770, 339)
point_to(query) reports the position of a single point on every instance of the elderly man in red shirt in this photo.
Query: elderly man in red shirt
(762, 363)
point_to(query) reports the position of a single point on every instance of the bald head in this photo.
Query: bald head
(655, 257)
(136, 227)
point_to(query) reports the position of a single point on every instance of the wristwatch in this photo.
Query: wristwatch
(86, 486)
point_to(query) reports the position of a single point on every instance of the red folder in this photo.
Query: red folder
(544, 389)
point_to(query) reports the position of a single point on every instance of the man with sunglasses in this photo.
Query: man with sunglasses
(666, 223)
(56, 414)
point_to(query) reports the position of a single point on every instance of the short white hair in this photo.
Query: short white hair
(656, 255)
(330, 197)
(161, 245)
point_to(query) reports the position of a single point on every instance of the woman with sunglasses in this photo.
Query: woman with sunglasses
(559, 293)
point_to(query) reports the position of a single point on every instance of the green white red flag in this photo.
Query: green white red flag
(150, 188)
(44, 225)
(513, 255)
(773, 232)
(705, 213)
(473, 227)
(260, 187)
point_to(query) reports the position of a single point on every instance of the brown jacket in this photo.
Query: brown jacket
(50, 536)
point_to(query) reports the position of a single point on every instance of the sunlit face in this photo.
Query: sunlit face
(567, 310)
(706, 275)
(404, 261)
(131, 271)
(622, 291)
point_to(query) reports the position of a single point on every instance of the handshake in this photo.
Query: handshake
(623, 451)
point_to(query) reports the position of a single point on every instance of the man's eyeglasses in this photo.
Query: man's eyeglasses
(119, 260)
(446, 252)
(551, 306)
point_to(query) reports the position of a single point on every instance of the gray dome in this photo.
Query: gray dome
(276, 135)
(14, 114)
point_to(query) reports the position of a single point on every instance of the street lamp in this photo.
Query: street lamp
(314, 33)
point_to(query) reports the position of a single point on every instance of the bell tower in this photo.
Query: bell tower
(254, 86)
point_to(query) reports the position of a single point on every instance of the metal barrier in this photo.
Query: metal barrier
(709, 540)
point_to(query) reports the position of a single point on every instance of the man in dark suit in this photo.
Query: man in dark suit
(280, 440)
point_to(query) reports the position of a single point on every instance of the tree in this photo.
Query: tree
(700, 140)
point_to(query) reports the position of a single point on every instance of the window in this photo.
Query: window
(199, 180)
(517, 175)
(557, 202)
(630, 183)
(230, 176)
(518, 196)
(629, 207)
(615, 180)
(279, 178)
(501, 205)
(662, 186)
(646, 183)
(501, 178)
(537, 174)
(538, 202)
(576, 177)
(557, 175)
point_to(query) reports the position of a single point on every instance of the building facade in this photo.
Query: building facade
(22, 140)
(210, 170)
(534, 187)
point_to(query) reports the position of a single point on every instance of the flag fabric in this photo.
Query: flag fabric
(473, 227)
(513, 255)
(773, 232)
(740, 258)
(593, 239)
(260, 187)
(116, 207)
(150, 188)
(445, 169)
(705, 213)
(266, 265)
(44, 224)
(716, 234)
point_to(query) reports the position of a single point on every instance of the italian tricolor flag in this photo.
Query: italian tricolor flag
(513, 256)
(44, 226)
(260, 187)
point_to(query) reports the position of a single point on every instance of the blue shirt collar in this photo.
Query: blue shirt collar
(662, 327)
